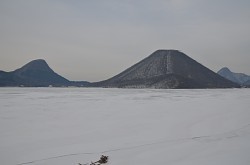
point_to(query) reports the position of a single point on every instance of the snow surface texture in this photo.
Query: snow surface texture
(60, 126)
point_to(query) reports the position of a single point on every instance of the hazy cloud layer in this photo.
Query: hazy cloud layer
(94, 40)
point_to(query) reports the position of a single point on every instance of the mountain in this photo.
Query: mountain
(239, 78)
(167, 69)
(36, 73)
(247, 83)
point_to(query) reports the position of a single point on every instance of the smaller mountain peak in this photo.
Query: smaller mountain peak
(38, 64)
(38, 61)
(224, 69)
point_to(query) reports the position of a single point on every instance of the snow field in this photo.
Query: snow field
(44, 126)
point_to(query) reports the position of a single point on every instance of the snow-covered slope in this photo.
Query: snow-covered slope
(56, 126)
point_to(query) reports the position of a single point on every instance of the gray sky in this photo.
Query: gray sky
(96, 39)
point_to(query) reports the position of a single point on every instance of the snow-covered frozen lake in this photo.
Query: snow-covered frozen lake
(67, 126)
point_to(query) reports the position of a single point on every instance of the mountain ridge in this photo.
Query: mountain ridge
(239, 78)
(167, 69)
(36, 73)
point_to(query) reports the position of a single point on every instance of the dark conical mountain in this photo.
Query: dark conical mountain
(239, 78)
(36, 73)
(167, 69)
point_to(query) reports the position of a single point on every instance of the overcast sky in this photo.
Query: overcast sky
(96, 39)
